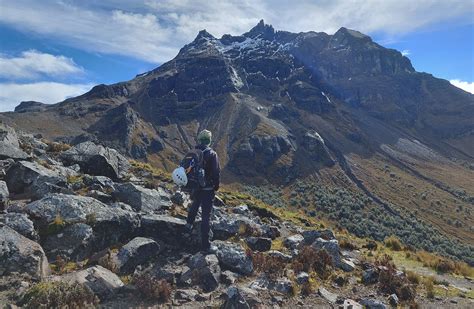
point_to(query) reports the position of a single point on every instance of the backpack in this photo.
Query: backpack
(194, 163)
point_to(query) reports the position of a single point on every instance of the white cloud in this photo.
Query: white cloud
(466, 86)
(33, 64)
(154, 30)
(406, 52)
(11, 94)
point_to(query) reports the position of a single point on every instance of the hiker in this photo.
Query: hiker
(200, 174)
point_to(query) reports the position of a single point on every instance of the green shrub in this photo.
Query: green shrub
(58, 295)
(393, 243)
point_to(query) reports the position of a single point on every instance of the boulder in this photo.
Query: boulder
(19, 254)
(99, 182)
(228, 277)
(312, 235)
(259, 243)
(4, 193)
(142, 199)
(230, 225)
(352, 304)
(330, 297)
(9, 144)
(166, 228)
(110, 224)
(393, 300)
(370, 303)
(303, 277)
(270, 231)
(22, 224)
(293, 241)
(347, 265)
(136, 252)
(241, 210)
(74, 242)
(97, 160)
(180, 198)
(234, 299)
(331, 247)
(34, 179)
(101, 281)
(370, 275)
(4, 166)
(204, 270)
(233, 257)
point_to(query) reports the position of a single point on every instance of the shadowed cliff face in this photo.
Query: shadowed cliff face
(276, 101)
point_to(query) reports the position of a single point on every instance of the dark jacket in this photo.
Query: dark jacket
(211, 167)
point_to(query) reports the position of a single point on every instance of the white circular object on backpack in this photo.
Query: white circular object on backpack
(179, 176)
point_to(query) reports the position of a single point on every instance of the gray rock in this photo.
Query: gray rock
(370, 303)
(241, 210)
(393, 300)
(284, 257)
(234, 299)
(232, 224)
(186, 295)
(4, 166)
(302, 277)
(351, 304)
(19, 254)
(330, 297)
(9, 144)
(101, 196)
(259, 243)
(22, 224)
(228, 277)
(204, 270)
(370, 275)
(346, 265)
(74, 242)
(293, 241)
(99, 182)
(166, 228)
(97, 160)
(284, 286)
(232, 256)
(331, 247)
(181, 199)
(104, 283)
(312, 235)
(110, 224)
(4, 193)
(138, 251)
(142, 199)
(32, 178)
(270, 231)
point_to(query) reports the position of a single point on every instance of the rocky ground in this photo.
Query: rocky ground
(82, 226)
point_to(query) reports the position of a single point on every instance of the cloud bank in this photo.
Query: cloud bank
(466, 86)
(11, 94)
(154, 30)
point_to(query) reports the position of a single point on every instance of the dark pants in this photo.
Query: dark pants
(203, 198)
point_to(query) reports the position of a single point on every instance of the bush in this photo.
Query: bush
(429, 287)
(347, 244)
(311, 259)
(390, 282)
(57, 147)
(59, 295)
(393, 243)
(413, 277)
(153, 288)
(272, 266)
(444, 266)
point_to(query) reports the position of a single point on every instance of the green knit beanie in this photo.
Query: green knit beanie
(205, 137)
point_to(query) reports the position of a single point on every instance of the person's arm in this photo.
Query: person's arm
(216, 171)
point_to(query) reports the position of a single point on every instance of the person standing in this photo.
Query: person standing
(204, 196)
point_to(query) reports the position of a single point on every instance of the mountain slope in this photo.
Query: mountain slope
(292, 106)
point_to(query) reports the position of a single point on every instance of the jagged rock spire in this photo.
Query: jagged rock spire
(261, 30)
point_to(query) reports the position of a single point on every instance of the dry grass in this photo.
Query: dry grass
(444, 265)
(393, 243)
(272, 266)
(153, 288)
(310, 259)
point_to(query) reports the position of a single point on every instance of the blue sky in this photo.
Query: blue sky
(54, 49)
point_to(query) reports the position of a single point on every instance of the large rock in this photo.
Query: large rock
(233, 256)
(259, 243)
(98, 279)
(331, 247)
(34, 179)
(293, 241)
(204, 270)
(136, 252)
(19, 254)
(9, 145)
(97, 160)
(311, 235)
(370, 303)
(110, 224)
(142, 199)
(229, 225)
(235, 299)
(163, 227)
(22, 224)
(74, 242)
(4, 194)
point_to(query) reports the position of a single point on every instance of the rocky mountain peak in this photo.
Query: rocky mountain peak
(261, 30)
